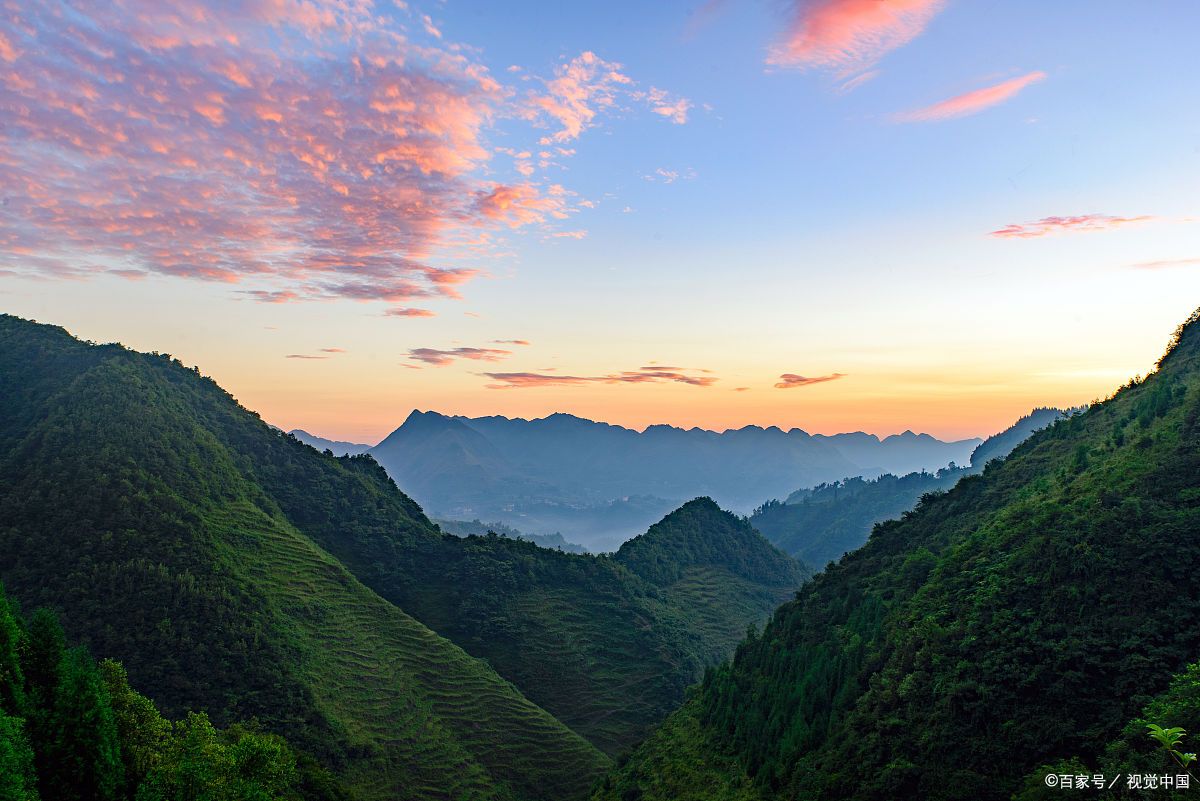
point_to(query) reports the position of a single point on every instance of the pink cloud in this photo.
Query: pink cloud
(1057, 225)
(971, 102)
(518, 204)
(523, 342)
(643, 375)
(306, 149)
(848, 36)
(401, 311)
(1164, 264)
(441, 358)
(587, 85)
(791, 380)
(673, 108)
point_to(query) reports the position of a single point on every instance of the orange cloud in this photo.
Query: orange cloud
(848, 36)
(1058, 225)
(408, 312)
(791, 380)
(971, 102)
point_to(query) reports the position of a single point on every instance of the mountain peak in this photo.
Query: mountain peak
(700, 534)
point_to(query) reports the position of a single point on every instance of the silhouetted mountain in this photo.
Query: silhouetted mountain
(337, 447)
(601, 483)
(476, 528)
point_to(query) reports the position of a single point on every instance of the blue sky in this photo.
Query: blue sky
(764, 189)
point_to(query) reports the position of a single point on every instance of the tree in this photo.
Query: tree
(12, 678)
(82, 750)
(143, 733)
(17, 779)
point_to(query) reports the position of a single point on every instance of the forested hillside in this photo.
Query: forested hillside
(606, 649)
(147, 508)
(820, 524)
(1024, 617)
(171, 529)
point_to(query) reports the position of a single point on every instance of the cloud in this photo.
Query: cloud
(849, 36)
(518, 204)
(791, 380)
(643, 375)
(585, 86)
(1058, 225)
(333, 350)
(303, 356)
(441, 358)
(401, 311)
(663, 175)
(741, 389)
(510, 342)
(971, 102)
(674, 109)
(1164, 264)
(305, 149)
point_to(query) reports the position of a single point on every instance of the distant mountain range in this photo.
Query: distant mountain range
(599, 484)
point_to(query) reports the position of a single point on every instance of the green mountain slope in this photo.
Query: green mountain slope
(147, 507)
(821, 524)
(1023, 617)
(188, 532)
(606, 650)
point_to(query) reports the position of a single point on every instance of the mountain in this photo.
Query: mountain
(822, 523)
(603, 483)
(466, 528)
(898, 454)
(998, 446)
(337, 447)
(237, 571)
(171, 530)
(602, 642)
(1022, 619)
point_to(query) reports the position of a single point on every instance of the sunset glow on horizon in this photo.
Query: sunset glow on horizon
(836, 215)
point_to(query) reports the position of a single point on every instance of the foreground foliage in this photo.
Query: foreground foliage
(72, 730)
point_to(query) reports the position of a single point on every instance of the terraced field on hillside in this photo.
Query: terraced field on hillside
(428, 720)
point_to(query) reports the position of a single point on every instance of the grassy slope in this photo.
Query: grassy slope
(1022, 617)
(606, 650)
(122, 507)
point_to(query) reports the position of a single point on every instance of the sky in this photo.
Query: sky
(836, 215)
